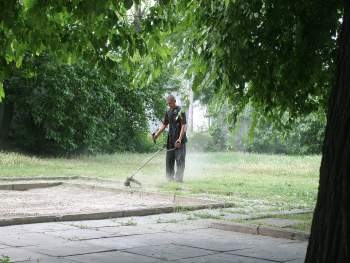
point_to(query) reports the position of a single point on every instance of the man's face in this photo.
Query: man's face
(171, 103)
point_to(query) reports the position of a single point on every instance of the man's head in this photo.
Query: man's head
(171, 101)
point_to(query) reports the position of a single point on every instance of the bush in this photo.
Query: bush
(76, 109)
(305, 136)
(200, 142)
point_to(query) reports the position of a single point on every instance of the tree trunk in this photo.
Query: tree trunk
(330, 231)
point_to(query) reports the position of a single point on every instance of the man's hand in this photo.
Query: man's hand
(154, 137)
(178, 143)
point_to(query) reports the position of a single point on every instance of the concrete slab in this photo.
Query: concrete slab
(79, 234)
(135, 241)
(129, 230)
(152, 228)
(187, 241)
(45, 227)
(279, 222)
(46, 259)
(3, 246)
(222, 258)
(69, 249)
(118, 243)
(91, 223)
(260, 230)
(25, 239)
(20, 254)
(277, 252)
(222, 241)
(113, 257)
(169, 252)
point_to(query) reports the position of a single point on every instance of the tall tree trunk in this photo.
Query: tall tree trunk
(330, 232)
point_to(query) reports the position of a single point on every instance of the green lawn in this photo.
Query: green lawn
(277, 181)
(304, 225)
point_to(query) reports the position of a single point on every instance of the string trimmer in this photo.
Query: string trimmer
(131, 179)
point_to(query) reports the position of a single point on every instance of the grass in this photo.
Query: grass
(306, 219)
(250, 180)
(304, 225)
(5, 259)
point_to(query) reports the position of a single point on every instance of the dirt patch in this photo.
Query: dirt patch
(68, 199)
(25, 187)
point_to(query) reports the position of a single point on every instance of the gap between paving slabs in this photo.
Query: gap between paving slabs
(218, 224)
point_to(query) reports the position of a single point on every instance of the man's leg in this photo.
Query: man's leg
(170, 162)
(180, 155)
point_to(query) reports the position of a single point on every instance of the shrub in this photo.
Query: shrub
(76, 109)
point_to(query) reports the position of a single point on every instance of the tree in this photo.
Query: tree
(73, 109)
(97, 30)
(99, 33)
(329, 240)
(281, 56)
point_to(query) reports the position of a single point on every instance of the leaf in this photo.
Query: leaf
(2, 92)
(28, 4)
(128, 4)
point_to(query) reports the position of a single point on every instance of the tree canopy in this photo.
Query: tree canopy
(278, 55)
(100, 32)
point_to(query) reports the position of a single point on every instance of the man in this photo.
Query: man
(176, 119)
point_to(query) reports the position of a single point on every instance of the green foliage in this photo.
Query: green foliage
(279, 56)
(5, 259)
(305, 136)
(78, 109)
(97, 31)
(201, 142)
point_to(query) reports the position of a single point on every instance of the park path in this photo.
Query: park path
(157, 238)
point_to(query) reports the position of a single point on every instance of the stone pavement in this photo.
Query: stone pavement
(153, 239)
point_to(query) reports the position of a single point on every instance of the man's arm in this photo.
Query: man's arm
(182, 133)
(159, 132)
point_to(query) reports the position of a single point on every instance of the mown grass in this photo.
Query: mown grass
(278, 181)
(304, 225)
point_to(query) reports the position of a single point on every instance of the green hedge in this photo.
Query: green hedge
(76, 109)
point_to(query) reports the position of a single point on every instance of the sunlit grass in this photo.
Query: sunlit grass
(278, 180)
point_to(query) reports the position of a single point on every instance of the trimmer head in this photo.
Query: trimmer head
(130, 180)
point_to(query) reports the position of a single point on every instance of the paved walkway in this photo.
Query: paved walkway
(149, 239)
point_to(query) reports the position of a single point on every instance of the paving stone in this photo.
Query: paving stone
(299, 260)
(46, 227)
(79, 234)
(19, 254)
(206, 239)
(151, 228)
(3, 246)
(185, 241)
(279, 222)
(11, 230)
(126, 242)
(169, 252)
(129, 230)
(278, 252)
(69, 249)
(91, 223)
(178, 227)
(113, 257)
(46, 259)
(117, 242)
(217, 244)
(220, 240)
(27, 239)
(221, 258)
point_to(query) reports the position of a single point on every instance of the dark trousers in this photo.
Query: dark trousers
(177, 156)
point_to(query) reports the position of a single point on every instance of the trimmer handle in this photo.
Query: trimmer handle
(154, 137)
